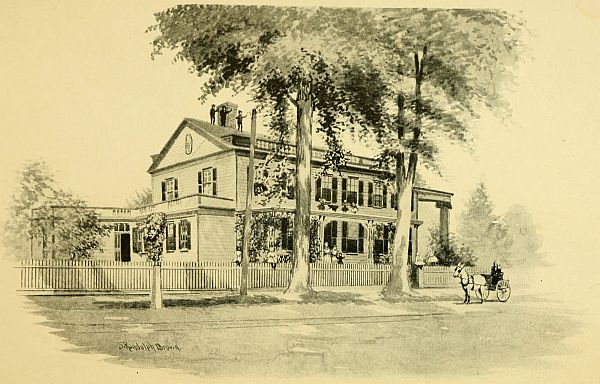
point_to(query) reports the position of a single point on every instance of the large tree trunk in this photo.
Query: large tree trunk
(156, 289)
(299, 283)
(398, 283)
(248, 215)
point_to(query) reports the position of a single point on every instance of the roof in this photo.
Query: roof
(219, 131)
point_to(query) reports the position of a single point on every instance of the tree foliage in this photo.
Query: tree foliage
(152, 227)
(142, 198)
(482, 230)
(42, 210)
(449, 251)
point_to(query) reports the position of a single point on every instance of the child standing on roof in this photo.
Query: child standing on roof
(213, 112)
(239, 118)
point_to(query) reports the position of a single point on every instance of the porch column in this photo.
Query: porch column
(444, 219)
(370, 240)
(321, 235)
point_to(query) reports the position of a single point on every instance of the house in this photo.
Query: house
(199, 181)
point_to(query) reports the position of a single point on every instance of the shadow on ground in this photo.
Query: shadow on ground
(192, 302)
(322, 297)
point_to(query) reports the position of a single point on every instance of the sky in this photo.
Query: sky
(80, 90)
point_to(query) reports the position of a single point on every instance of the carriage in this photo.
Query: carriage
(483, 283)
(494, 282)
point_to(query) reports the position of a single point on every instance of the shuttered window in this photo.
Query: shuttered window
(171, 244)
(207, 182)
(353, 237)
(185, 235)
(370, 195)
(169, 189)
(378, 195)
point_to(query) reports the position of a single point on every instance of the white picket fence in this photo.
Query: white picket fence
(108, 276)
(114, 276)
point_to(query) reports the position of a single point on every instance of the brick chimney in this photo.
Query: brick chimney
(230, 120)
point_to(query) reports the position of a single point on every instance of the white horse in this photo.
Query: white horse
(469, 281)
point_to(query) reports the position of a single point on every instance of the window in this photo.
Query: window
(394, 200)
(138, 240)
(330, 234)
(207, 181)
(169, 189)
(370, 195)
(171, 245)
(327, 189)
(287, 234)
(353, 237)
(352, 191)
(379, 195)
(349, 190)
(184, 235)
(291, 191)
(383, 235)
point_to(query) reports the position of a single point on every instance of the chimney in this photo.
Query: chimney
(230, 118)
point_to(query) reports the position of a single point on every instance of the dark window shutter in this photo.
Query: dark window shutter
(200, 191)
(370, 195)
(284, 230)
(189, 232)
(318, 190)
(134, 234)
(344, 190)
(215, 189)
(384, 196)
(344, 236)
(334, 190)
(175, 189)
(361, 238)
(163, 186)
(361, 190)
(180, 232)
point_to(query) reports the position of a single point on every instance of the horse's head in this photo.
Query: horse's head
(458, 270)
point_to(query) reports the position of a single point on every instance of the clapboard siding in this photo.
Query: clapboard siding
(216, 237)
(187, 176)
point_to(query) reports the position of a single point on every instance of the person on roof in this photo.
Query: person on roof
(223, 111)
(213, 112)
(239, 118)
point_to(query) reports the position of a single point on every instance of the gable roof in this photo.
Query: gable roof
(197, 126)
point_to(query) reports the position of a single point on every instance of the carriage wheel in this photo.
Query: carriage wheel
(503, 290)
(485, 293)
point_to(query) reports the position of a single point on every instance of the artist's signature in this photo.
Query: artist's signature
(149, 347)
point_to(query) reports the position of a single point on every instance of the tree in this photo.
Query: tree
(76, 229)
(152, 228)
(482, 230)
(448, 250)
(341, 69)
(288, 58)
(525, 241)
(457, 61)
(141, 199)
(40, 209)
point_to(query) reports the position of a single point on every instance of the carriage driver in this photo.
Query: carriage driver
(496, 273)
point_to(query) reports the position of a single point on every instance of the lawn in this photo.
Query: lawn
(217, 334)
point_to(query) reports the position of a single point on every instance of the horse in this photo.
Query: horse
(466, 280)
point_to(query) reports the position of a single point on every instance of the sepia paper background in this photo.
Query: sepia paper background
(79, 89)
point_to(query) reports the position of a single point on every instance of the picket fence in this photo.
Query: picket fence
(113, 276)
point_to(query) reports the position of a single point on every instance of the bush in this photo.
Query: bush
(449, 252)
